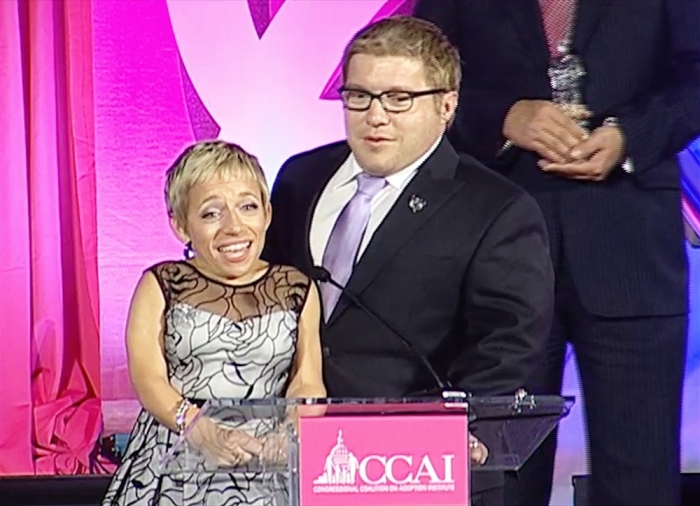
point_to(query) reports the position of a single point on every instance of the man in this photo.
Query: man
(450, 255)
(585, 105)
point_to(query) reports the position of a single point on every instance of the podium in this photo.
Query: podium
(351, 452)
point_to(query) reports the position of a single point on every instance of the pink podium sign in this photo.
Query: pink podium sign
(387, 460)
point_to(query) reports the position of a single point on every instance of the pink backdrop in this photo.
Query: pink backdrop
(49, 310)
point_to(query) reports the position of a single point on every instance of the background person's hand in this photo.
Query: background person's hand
(594, 158)
(546, 128)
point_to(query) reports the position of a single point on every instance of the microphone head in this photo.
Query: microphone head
(320, 274)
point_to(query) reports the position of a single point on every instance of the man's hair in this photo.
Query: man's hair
(206, 160)
(412, 38)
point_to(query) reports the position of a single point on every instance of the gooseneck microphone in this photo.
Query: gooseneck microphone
(321, 275)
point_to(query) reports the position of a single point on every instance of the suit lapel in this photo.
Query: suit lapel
(314, 189)
(433, 184)
(587, 19)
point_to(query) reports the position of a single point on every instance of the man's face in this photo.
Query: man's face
(386, 142)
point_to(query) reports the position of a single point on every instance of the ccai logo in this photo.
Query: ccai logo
(344, 472)
(341, 466)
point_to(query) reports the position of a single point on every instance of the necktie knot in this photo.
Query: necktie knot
(369, 185)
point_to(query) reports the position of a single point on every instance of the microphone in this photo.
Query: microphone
(447, 391)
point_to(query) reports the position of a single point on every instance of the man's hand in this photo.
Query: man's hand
(594, 158)
(478, 452)
(546, 128)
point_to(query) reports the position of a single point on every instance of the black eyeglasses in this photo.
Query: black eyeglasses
(391, 101)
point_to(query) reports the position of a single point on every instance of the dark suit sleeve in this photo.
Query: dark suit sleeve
(443, 13)
(482, 138)
(660, 124)
(509, 302)
(278, 242)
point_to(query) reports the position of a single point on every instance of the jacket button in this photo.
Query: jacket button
(326, 351)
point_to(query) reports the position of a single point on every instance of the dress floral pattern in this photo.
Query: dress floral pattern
(221, 341)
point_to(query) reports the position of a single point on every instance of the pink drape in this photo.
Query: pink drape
(49, 336)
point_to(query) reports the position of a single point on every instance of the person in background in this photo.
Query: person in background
(585, 104)
(222, 323)
(442, 251)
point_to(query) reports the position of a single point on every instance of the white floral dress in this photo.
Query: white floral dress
(221, 341)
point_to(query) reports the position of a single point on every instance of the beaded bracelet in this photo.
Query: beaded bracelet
(181, 416)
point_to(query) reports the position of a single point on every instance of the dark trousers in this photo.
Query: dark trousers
(631, 372)
(491, 497)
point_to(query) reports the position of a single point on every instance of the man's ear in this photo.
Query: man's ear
(448, 107)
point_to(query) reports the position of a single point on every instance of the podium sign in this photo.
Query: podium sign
(390, 460)
(352, 452)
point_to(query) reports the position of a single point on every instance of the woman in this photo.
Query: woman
(220, 324)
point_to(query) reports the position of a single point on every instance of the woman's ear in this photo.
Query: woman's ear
(179, 230)
(268, 215)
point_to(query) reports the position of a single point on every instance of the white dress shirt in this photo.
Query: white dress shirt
(342, 187)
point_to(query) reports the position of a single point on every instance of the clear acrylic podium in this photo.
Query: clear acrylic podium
(342, 452)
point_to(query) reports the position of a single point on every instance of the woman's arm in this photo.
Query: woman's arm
(146, 356)
(307, 370)
(306, 379)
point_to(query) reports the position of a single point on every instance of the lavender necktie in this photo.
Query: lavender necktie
(346, 237)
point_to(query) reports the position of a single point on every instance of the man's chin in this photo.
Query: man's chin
(376, 166)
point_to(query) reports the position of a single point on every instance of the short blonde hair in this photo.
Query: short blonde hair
(411, 38)
(206, 160)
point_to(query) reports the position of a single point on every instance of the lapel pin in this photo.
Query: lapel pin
(416, 204)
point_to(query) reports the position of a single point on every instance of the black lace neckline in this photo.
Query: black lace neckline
(255, 281)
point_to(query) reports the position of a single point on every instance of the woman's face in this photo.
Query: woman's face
(226, 222)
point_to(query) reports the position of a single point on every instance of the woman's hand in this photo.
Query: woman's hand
(222, 445)
(275, 446)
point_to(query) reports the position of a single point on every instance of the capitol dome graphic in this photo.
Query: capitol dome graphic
(340, 467)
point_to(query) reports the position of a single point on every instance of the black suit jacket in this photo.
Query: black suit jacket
(623, 238)
(468, 279)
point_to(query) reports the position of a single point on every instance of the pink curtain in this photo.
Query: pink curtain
(49, 336)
